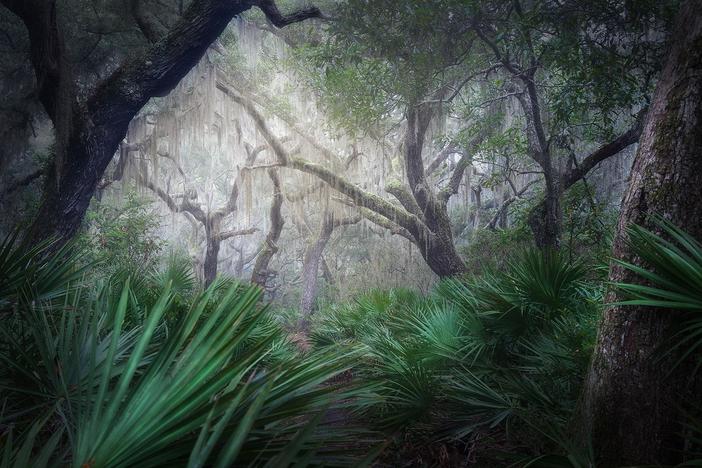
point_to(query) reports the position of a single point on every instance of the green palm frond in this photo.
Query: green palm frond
(85, 386)
(674, 272)
(672, 279)
(179, 273)
(473, 403)
(22, 453)
(32, 275)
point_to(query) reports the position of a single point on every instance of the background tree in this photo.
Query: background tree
(90, 125)
(312, 261)
(261, 274)
(211, 221)
(454, 59)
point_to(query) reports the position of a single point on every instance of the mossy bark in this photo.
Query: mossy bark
(631, 406)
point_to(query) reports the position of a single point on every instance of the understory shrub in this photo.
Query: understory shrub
(193, 378)
(506, 349)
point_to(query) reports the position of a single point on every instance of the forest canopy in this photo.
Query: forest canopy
(350, 233)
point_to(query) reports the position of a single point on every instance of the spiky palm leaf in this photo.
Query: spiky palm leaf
(200, 391)
(673, 277)
(32, 275)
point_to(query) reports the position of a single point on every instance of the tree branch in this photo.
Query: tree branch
(185, 206)
(270, 9)
(404, 196)
(338, 222)
(269, 247)
(449, 149)
(463, 164)
(163, 65)
(360, 197)
(624, 140)
(383, 222)
(236, 233)
(493, 222)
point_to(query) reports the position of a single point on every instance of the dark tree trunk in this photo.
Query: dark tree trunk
(631, 404)
(478, 201)
(212, 233)
(545, 218)
(437, 247)
(67, 194)
(439, 252)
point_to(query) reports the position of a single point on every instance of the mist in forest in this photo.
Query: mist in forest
(350, 233)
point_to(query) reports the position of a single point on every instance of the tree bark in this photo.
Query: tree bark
(310, 272)
(631, 403)
(261, 275)
(213, 243)
(89, 130)
(311, 263)
(545, 218)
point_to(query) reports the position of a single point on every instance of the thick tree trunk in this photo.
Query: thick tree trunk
(631, 403)
(67, 195)
(439, 252)
(88, 131)
(437, 248)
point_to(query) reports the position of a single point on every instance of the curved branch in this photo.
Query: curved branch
(449, 149)
(463, 164)
(403, 195)
(375, 218)
(624, 140)
(162, 66)
(360, 197)
(493, 222)
(230, 205)
(270, 9)
(338, 222)
(185, 206)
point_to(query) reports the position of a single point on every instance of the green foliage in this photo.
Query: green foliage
(500, 350)
(601, 58)
(588, 225)
(378, 56)
(673, 279)
(82, 386)
(123, 237)
(490, 250)
(29, 275)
